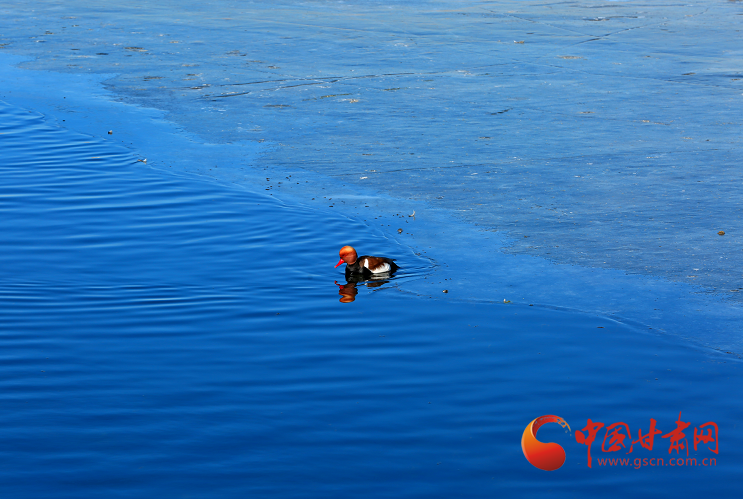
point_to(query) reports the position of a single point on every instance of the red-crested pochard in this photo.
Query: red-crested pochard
(365, 264)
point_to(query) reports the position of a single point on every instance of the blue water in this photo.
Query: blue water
(171, 323)
(165, 335)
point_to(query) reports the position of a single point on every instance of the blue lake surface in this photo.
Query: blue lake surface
(171, 324)
(163, 335)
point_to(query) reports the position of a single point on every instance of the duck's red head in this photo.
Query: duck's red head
(348, 255)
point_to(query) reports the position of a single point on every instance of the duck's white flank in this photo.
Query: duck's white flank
(384, 267)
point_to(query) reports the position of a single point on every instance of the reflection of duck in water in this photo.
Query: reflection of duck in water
(365, 265)
(348, 291)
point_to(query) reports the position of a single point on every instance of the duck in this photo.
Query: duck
(365, 265)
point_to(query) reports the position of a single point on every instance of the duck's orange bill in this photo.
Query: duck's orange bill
(336, 265)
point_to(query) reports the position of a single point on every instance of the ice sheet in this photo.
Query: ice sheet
(599, 134)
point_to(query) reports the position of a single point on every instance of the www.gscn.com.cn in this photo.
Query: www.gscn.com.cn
(638, 463)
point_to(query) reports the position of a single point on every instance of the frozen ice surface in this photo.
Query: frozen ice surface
(598, 134)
